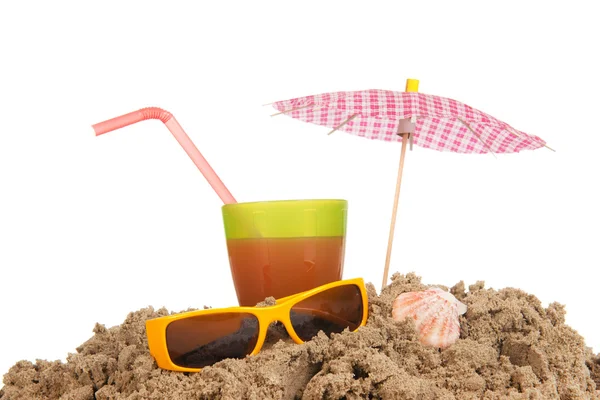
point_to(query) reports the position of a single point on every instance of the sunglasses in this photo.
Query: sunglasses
(192, 340)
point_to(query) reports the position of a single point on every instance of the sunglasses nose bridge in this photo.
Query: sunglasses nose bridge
(279, 314)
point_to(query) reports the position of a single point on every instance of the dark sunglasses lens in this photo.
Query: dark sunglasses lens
(330, 311)
(203, 340)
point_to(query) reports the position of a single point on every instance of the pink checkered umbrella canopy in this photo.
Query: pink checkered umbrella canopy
(425, 120)
(440, 123)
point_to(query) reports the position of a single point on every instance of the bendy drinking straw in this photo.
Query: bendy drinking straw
(169, 120)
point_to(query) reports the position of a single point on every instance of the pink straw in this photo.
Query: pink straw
(169, 120)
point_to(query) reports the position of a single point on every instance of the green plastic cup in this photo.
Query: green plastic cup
(279, 248)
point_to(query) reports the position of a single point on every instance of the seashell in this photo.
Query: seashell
(435, 313)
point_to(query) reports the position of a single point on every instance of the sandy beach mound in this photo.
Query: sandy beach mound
(510, 348)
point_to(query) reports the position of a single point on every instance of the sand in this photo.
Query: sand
(510, 348)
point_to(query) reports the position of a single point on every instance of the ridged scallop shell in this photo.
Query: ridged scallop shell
(435, 313)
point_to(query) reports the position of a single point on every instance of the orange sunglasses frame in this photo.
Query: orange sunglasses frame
(156, 328)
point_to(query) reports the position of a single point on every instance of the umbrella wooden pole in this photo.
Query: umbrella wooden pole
(405, 137)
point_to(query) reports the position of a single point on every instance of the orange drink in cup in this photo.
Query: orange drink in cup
(279, 248)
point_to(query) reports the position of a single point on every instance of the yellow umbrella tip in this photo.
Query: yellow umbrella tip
(412, 85)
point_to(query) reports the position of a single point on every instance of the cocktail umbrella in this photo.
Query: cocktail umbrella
(409, 117)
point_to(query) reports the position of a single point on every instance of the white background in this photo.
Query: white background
(92, 228)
